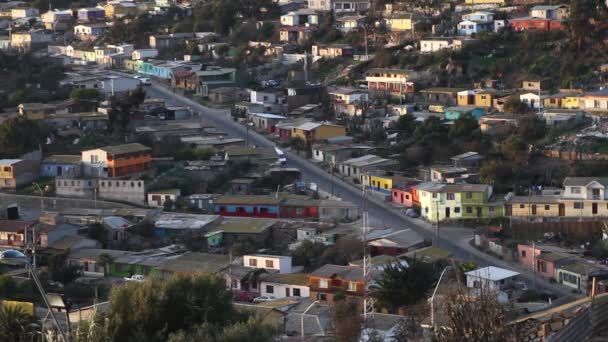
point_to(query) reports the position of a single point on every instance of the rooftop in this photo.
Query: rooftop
(244, 226)
(492, 273)
(194, 262)
(248, 199)
(402, 238)
(300, 279)
(125, 148)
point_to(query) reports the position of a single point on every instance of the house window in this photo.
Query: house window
(352, 286)
(521, 206)
(523, 254)
(323, 284)
(491, 209)
(426, 210)
(269, 289)
(579, 205)
(469, 195)
(469, 210)
(253, 262)
(575, 190)
(547, 207)
(270, 263)
(434, 195)
(450, 196)
(457, 210)
(321, 296)
(296, 293)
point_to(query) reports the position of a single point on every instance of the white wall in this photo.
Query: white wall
(279, 263)
(279, 290)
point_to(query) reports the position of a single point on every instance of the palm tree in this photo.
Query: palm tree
(105, 259)
(15, 324)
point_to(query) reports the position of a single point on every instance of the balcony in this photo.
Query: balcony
(11, 243)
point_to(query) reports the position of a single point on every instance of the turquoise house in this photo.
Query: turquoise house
(453, 113)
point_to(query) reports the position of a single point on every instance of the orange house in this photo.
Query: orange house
(116, 161)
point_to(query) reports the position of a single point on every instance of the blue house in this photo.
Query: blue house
(67, 166)
(453, 113)
(248, 206)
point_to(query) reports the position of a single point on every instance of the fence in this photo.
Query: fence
(575, 230)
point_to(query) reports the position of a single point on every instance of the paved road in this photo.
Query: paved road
(454, 239)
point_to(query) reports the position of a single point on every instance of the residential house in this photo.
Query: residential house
(227, 95)
(476, 97)
(395, 243)
(242, 186)
(537, 24)
(90, 31)
(554, 12)
(536, 85)
(185, 79)
(295, 34)
(476, 22)
(453, 113)
(546, 205)
(399, 22)
(267, 96)
(332, 154)
(405, 194)
(332, 50)
(64, 166)
(112, 189)
(5, 43)
(91, 14)
(393, 81)
(542, 260)
(265, 121)
(585, 197)
(348, 101)
(252, 230)
(312, 132)
(116, 161)
(497, 124)
(382, 183)
(172, 224)
(202, 201)
(23, 12)
(277, 263)
(596, 101)
(349, 23)
(579, 275)
(442, 96)
(532, 100)
(248, 206)
(279, 285)
(25, 40)
(141, 54)
(457, 201)
(562, 100)
(302, 17)
(469, 160)
(563, 118)
(338, 211)
(15, 173)
(302, 208)
(57, 19)
(491, 278)
(435, 44)
(213, 77)
(447, 174)
(330, 280)
(119, 9)
(13, 233)
(159, 198)
(356, 167)
(347, 6)
(88, 260)
(194, 263)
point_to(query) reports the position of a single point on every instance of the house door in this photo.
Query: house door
(534, 210)
(509, 209)
(562, 210)
(594, 208)
(447, 212)
(287, 292)
(59, 170)
(478, 211)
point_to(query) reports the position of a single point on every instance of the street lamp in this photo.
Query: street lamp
(17, 258)
(433, 296)
(302, 318)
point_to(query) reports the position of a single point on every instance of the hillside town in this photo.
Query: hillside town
(303, 170)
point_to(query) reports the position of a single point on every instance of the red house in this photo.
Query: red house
(528, 23)
(300, 208)
(405, 194)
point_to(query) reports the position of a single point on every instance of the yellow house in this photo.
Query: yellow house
(533, 206)
(130, 64)
(120, 9)
(398, 22)
(87, 55)
(561, 101)
(476, 97)
(311, 132)
(570, 102)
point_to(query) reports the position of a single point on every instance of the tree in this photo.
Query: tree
(347, 320)
(513, 148)
(8, 287)
(514, 105)
(579, 24)
(308, 254)
(483, 319)
(15, 324)
(531, 127)
(252, 330)
(81, 94)
(19, 136)
(62, 271)
(401, 285)
(405, 126)
(493, 171)
(98, 232)
(105, 260)
(466, 128)
(297, 144)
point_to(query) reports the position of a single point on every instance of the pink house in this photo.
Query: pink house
(546, 261)
(405, 194)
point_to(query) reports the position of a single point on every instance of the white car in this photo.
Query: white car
(135, 277)
(262, 299)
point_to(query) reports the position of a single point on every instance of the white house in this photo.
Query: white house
(158, 198)
(24, 12)
(431, 45)
(490, 278)
(56, 15)
(279, 285)
(467, 27)
(140, 54)
(266, 96)
(532, 100)
(268, 262)
(479, 17)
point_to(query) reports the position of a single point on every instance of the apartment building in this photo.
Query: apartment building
(116, 161)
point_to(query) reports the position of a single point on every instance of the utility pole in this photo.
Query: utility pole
(368, 302)
(534, 265)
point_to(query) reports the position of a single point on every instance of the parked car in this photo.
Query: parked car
(410, 212)
(262, 299)
(135, 277)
